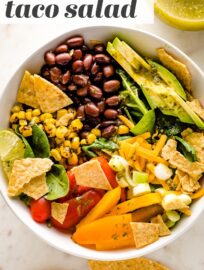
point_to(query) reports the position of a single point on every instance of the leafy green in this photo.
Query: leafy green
(40, 143)
(26, 199)
(130, 94)
(58, 183)
(99, 144)
(187, 150)
(28, 150)
(145, 124)
(168, 125)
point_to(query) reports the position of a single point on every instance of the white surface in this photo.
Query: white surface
(19, 248)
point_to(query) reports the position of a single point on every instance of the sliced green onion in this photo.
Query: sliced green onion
(173, 216)
(118, 163)
(139, 177)
(162, 172)
(170, 224)
(139, 190)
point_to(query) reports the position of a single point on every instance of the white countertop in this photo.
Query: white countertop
(19, 247)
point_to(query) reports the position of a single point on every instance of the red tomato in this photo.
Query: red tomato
(82, 189)
(78, 208)
(40, 210)
(110, 174)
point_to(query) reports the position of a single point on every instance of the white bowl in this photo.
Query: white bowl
(143, 42)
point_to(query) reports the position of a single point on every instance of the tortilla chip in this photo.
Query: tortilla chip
(59, 211)
(163, 229)
(144, 233)
(24, 170)
(26, 93)
(196, 107)
(36, 188)
(187, 183)
(133, 264)
(49, 96)
(178, 68)
(64, 120)
(90, 174)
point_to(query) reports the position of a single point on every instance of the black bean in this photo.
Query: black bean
(45, 72)
(77, 54)
(86, 100)
(102, 58)
(55, 74)
(81, 80)
(108, 71)
(91, 110)
(72, 87)
(110, 114)
(113, 101)
(62, 87)
(83, 92)
(109, 131)
(111, 86)
(99, 48)
(107, 123)
(98, 77)
(95, 69)
(95, 92)
(50, 58)
(81, 113)
(101, 106)
(77, 66)
(61, 49)
(66, 77)
(88, 60)
(75, 42)
(84, 134)
(63, 59)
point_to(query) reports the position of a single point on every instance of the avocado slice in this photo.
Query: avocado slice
(169, 78)
(158, 93)
(134, 59)
(145, 124)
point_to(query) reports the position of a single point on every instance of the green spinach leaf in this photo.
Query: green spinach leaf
(28, 150)
(187, 150)
(58, 183)
(40, 143)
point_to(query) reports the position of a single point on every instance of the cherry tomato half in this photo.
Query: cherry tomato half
(78, 208)
(72, 188)
(40, 210)
(110, 174)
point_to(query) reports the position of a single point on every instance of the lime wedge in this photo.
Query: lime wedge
(7, 167)
(182, 14)
(11, 147)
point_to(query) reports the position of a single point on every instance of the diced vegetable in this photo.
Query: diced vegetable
(146, 213)
(109, 200)
(118, 164)
(115, 244)
(136, 203)
(140, 177)
(138, 190)
(40, 143)
(105, 229)
(145, 124)
(162, 172)
(173, 215)
(188, 151)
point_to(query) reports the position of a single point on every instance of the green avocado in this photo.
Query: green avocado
(158, 93)
(169, 78)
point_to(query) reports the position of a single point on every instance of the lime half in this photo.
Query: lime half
(11, 147)
(182, 14)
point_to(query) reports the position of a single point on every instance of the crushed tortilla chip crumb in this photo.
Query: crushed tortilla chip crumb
(24, 170)
(59, 211)
(144, 233)
(36, 188)
(163, 229)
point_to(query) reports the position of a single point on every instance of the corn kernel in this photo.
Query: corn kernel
(52, 132)
(21, 115)
(83, 141)
(72, 135)
(49, 121)
(75, 143)
(61, 132)
(91, 138)
(55, 154)
(14, 126)
(45, 116)
(23, 122)
(63, 162)
(96, 132)
(27, 132)
(122, 129)
(60, 113)
(78, 151)
(48, 128)
(59, 141)
(76, 124)
(28, 116)
(65, 152)
(36, 112)
(72, 111)
(14, 118)
(35, 120)
(16, 109)
(73, 159)
(67, 143)
(29, 110)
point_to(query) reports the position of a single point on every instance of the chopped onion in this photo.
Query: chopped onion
(162, 172)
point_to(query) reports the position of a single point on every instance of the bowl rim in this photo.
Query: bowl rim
(125, 255)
